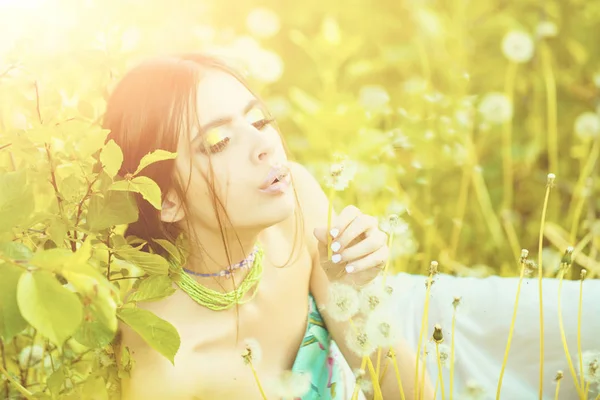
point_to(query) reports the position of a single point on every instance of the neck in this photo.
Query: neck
(211, 254)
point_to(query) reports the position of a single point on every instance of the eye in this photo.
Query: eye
(216, 140)
(219, 146)
(263, 123)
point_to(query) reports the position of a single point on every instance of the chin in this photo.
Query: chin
(278, 210)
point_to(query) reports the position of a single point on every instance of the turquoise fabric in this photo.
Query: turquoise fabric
(319, 355)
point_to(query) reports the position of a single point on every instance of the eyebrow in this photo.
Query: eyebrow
(224, 121)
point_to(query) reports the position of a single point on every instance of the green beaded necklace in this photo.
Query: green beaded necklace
(217, 301)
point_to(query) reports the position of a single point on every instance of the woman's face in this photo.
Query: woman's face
(246, 153)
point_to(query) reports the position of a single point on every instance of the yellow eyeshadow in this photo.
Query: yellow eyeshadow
(214, 136)
(254, 115)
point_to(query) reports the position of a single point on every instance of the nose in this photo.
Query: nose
(263, 149)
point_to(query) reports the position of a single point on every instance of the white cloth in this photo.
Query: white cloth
(482, 327)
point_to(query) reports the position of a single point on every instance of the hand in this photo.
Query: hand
(359, 248)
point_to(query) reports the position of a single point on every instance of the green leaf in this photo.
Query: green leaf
(171, 249)
(151, 158)
(11, 321)
(100, 320)
(57, 230)
(155, 287)
(16, 199)
(52, 259)
(111, 158)
(158, 333)
(143, 185)
(117, 208)
(153, 264)
(94, 388)
(48, 306)
(15, 251)
(55, 381)
(95, 330)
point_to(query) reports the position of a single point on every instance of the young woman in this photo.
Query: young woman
(237, 199)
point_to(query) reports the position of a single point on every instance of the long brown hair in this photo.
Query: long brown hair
(148, 110)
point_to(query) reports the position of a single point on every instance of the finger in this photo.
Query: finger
(341, 222)
(377, 259)
(374, 241)
(359, 225)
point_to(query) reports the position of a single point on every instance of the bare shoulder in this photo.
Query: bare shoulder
(313, 201)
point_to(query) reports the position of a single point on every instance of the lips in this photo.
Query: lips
(277, 174)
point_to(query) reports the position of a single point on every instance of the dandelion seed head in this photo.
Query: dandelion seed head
(340, 173)
(456, 301)
(34, 352)
(252, 353)
(582, 274)
(591, 366)
(496, 108)
(382, 328)
(373, 296)
(358, 340)
(518, 46)
(444, 350)
(587, 125)
(559, 376)
(530, 267)
(524, 254)
(343, 302)
(433, 268)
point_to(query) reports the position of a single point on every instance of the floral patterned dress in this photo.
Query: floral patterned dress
(331, 376)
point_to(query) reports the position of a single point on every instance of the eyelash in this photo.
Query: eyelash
(222, 144)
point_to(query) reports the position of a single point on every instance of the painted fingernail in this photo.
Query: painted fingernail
(349, 269)
(336, 258)
(334, 232)
(335, 246)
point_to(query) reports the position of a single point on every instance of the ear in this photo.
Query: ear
(172, 208)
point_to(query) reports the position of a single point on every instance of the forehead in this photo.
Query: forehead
(220, 95)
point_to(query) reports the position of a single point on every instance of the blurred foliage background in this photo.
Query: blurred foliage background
(453, 112)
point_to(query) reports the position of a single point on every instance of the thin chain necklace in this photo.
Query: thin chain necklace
(226, 272)
(217, 301)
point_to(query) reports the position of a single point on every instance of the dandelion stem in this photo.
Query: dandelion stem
(562, 333)
(385, 271)
(421, 332)
(511, 330)
(551, 108)
(439, 363)
(452, 355)
(376, 388)
(329, 215)
(437, 384)
(423, 368)
(507, 167)
(262, 392)
(26, 393)
(540, 275)
(363, 364)
(397, 370)
(557, 389)
(579, 354)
